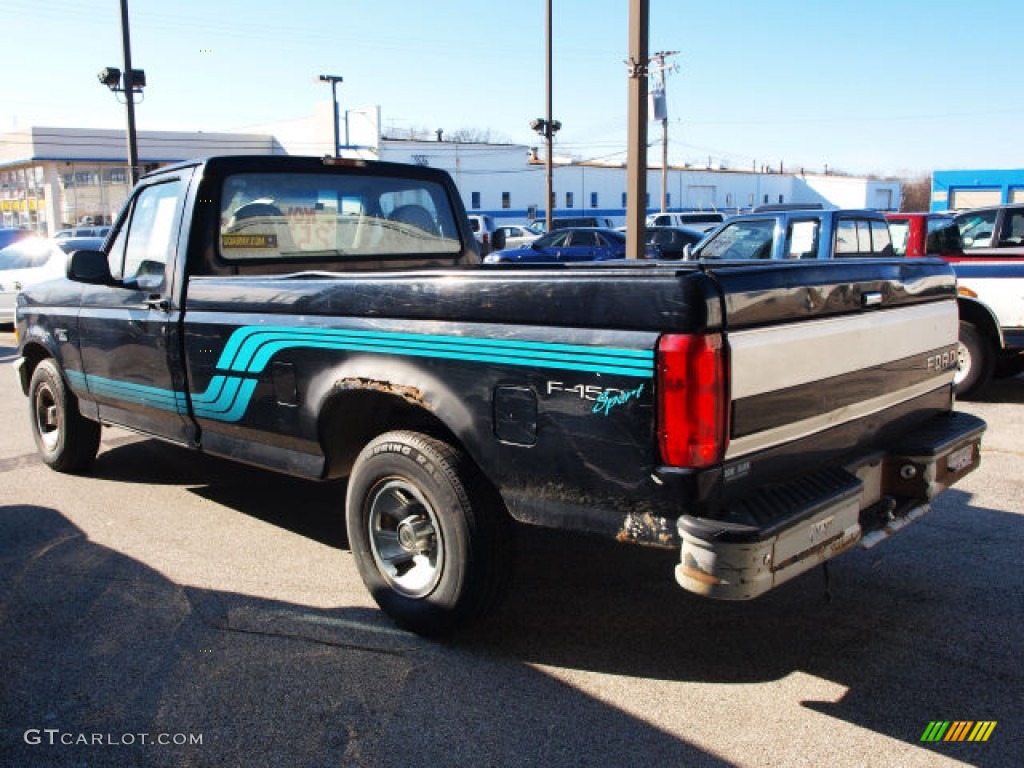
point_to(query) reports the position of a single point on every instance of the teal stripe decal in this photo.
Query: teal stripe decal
(251, 348)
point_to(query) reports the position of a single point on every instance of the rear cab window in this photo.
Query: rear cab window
(310, 216)
(862, 237)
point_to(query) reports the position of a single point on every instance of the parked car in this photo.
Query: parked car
(924, 234)
(10, 235)
(569, 245)
(62, 234)
(995, 232)
(518, 235)
(703, 221)
(485, 232)
(33, 260)
(672, 241)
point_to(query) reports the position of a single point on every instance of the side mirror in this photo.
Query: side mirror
(89, 267)
(687, 252)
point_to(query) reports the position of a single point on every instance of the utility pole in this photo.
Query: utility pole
(547, 126)
(661, 113)
(129, 95)
(549, 196)
(636, 149)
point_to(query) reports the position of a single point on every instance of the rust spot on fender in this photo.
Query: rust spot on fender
(645, 528)
(409, 394)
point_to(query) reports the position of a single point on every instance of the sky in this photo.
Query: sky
(893, 87)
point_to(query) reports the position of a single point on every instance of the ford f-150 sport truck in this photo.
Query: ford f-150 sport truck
(330, 318)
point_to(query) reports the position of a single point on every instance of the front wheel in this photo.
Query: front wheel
(66, 440)
(432, 541)
(975, 363)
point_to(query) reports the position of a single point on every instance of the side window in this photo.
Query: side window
(559, 239)
(900, 231)
(1013, 228)
(582, 239)
(802, 240)
(146, 240)
(846, 237)
(976, 229)
(942, 236)
(881, 242)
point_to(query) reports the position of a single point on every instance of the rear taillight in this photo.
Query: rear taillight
(693, 400)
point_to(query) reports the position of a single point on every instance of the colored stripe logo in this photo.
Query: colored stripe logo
(250, 348)
(958, 730)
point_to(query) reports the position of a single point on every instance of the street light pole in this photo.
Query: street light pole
(548, 162)
(129, 95)
(334, 80)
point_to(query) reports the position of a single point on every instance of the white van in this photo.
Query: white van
(704, 221)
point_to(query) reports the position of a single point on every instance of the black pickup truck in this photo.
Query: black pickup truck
(330, 318)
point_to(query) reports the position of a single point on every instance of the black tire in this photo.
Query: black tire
(977, 360)
(432, 541)
(66, 440)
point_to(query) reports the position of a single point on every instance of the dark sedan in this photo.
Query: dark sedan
(672, 240)
(561, 246)
(566, 245)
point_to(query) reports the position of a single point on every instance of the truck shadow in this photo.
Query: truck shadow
(311, 509)
(93, 642)
(928, 623)
(1006, 390)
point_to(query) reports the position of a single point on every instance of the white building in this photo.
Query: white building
(55, 177)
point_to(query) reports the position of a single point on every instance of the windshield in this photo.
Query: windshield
(741, 240)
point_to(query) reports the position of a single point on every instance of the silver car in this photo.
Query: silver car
(33, 260)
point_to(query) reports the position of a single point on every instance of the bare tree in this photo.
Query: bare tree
(917, 194)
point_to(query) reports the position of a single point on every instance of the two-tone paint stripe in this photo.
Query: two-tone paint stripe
(249, 349)
(958, 730)
(126, 391)
(795, 380)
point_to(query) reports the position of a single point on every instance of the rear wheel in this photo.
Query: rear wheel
(976, 361)
(432, 541)
(66, 440)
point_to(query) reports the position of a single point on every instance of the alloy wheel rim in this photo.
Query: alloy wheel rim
(405, 538)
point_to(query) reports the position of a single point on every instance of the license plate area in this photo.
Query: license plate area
(924, 477)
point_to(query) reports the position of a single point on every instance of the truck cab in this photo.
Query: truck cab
(798, 234)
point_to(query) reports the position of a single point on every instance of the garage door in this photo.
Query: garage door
(974, 198)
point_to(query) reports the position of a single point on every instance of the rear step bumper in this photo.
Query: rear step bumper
(789, 529)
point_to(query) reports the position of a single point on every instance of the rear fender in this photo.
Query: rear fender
(362, 398)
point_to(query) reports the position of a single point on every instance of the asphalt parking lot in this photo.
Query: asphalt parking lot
(172, 609)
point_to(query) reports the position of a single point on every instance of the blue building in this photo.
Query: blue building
(956, 190)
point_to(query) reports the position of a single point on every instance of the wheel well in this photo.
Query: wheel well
(353, 417)
(34, 354)
(979, 316)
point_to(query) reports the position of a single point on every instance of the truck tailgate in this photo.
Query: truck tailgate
(841, 426)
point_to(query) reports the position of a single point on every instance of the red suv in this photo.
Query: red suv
(925, 234)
